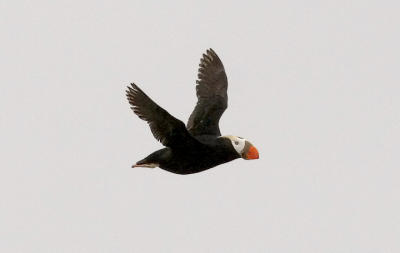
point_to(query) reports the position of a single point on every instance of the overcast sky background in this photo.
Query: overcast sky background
(314, 85)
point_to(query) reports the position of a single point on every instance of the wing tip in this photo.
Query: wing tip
(211, 51)
(132, 93)
(133, 86)
(133, 90)
(208, 57)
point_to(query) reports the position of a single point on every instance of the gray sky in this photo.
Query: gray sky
(313, 85)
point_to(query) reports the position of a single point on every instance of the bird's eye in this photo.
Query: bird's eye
(236, 143)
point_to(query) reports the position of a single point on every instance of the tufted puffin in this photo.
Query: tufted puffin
(198, 146)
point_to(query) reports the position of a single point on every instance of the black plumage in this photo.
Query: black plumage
(199, 145)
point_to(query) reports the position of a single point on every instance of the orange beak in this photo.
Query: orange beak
(252, 153)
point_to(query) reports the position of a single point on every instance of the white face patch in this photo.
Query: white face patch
(237, 142)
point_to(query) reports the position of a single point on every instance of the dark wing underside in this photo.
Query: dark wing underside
(211, 90)
(170, 131)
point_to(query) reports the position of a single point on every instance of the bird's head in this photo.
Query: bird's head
(243, 147)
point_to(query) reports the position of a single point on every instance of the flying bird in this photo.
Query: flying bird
(198, 146)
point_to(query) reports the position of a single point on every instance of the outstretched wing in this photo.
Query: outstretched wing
(170, 131)
(211, 89)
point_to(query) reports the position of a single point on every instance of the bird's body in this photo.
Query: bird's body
(211, 151)
(198, 146)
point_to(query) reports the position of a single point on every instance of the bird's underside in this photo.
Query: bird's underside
(198, 145)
